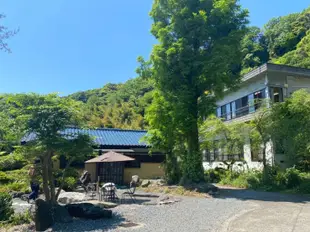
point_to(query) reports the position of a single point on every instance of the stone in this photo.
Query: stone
(61, 191)
(71, 197)
(166, 199)
(88, 211)
(145, 183)
(61, 214)
(43, 215)
(103, 204)
(15, 194)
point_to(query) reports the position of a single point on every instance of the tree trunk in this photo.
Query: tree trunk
(63, 178)
(44, 161)
(193, 169)
(51, 178)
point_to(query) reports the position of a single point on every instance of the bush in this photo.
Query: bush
(15, 186)
(11, 162)
(293, 178)
(4, 178)
(69, 184)
(254, 179)
(214, 175)
(6, 209)
(20, 219)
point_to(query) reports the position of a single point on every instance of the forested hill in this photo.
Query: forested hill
(283, 40)
(117, 105)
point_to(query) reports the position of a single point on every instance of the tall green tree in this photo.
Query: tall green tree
(198, 50)
(46, 117)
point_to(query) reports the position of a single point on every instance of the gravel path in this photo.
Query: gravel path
(190, 214)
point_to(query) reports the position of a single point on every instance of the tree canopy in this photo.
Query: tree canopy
(198, 55)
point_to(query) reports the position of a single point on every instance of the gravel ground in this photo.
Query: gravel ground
(190, 214)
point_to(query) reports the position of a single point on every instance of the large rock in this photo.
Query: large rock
(61, 214)
(103, 204)
(16, 194)
(71, 197)
(88, 211)
(43, 215)
(145, 183)
(61, 191)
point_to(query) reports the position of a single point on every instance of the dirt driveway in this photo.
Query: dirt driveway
(270, 212)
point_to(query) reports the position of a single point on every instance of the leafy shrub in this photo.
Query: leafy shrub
(11, 162)
(15, 186)
(254, 179)
(4, 178)
(213, 175)
(69, 184)
(293, 178)
(6, 209)
(19, 219)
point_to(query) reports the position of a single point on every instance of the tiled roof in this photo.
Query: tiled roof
(106, 136)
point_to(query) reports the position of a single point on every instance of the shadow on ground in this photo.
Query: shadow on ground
(91, 225)
(246, 194)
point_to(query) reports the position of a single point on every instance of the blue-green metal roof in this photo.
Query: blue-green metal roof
(106, 136)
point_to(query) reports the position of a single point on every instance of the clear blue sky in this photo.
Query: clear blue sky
(70, 45)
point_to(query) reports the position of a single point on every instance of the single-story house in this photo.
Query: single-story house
(127, 143)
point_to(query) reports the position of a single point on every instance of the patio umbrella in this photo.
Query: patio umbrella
(110, 157)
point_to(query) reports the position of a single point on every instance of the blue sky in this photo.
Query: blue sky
(70, 45)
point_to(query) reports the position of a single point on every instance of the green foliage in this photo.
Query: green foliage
(229, 137)
(4, 178)
(292, 177)
(254, 49)
(20, 219)
(11, 162)
(191, 61)
(6, 209)
(117, 105)
(69, 183)
(291, 127)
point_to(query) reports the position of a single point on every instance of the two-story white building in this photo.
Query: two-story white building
(271, 81)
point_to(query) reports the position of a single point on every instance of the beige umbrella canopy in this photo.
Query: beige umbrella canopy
(110, 157)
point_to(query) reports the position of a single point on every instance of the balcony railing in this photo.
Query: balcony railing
(241, 112)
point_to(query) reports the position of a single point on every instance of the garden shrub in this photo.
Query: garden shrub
(11, 162)
(20, 219)
(4, 178)
(213, 175)
(254, 179)
(293, 178)
(6, 209)
(69, 184)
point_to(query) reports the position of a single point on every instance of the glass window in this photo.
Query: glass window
(258, 98)
(218, 112)
(276, 94)
(242, 106)
(251, 103)
(228, 110)
(233, 109)
(223, 111)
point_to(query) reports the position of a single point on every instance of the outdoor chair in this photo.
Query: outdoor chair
(108, 192)
(131, 190)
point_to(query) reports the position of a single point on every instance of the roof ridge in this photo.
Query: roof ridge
(106, 129)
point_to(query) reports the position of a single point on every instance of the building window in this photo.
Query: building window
(276, 94)
(251, 103)
(223, 112)
(258, 97)
(242, 106)
(233, 109)
(219, 112)
(228, 112)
